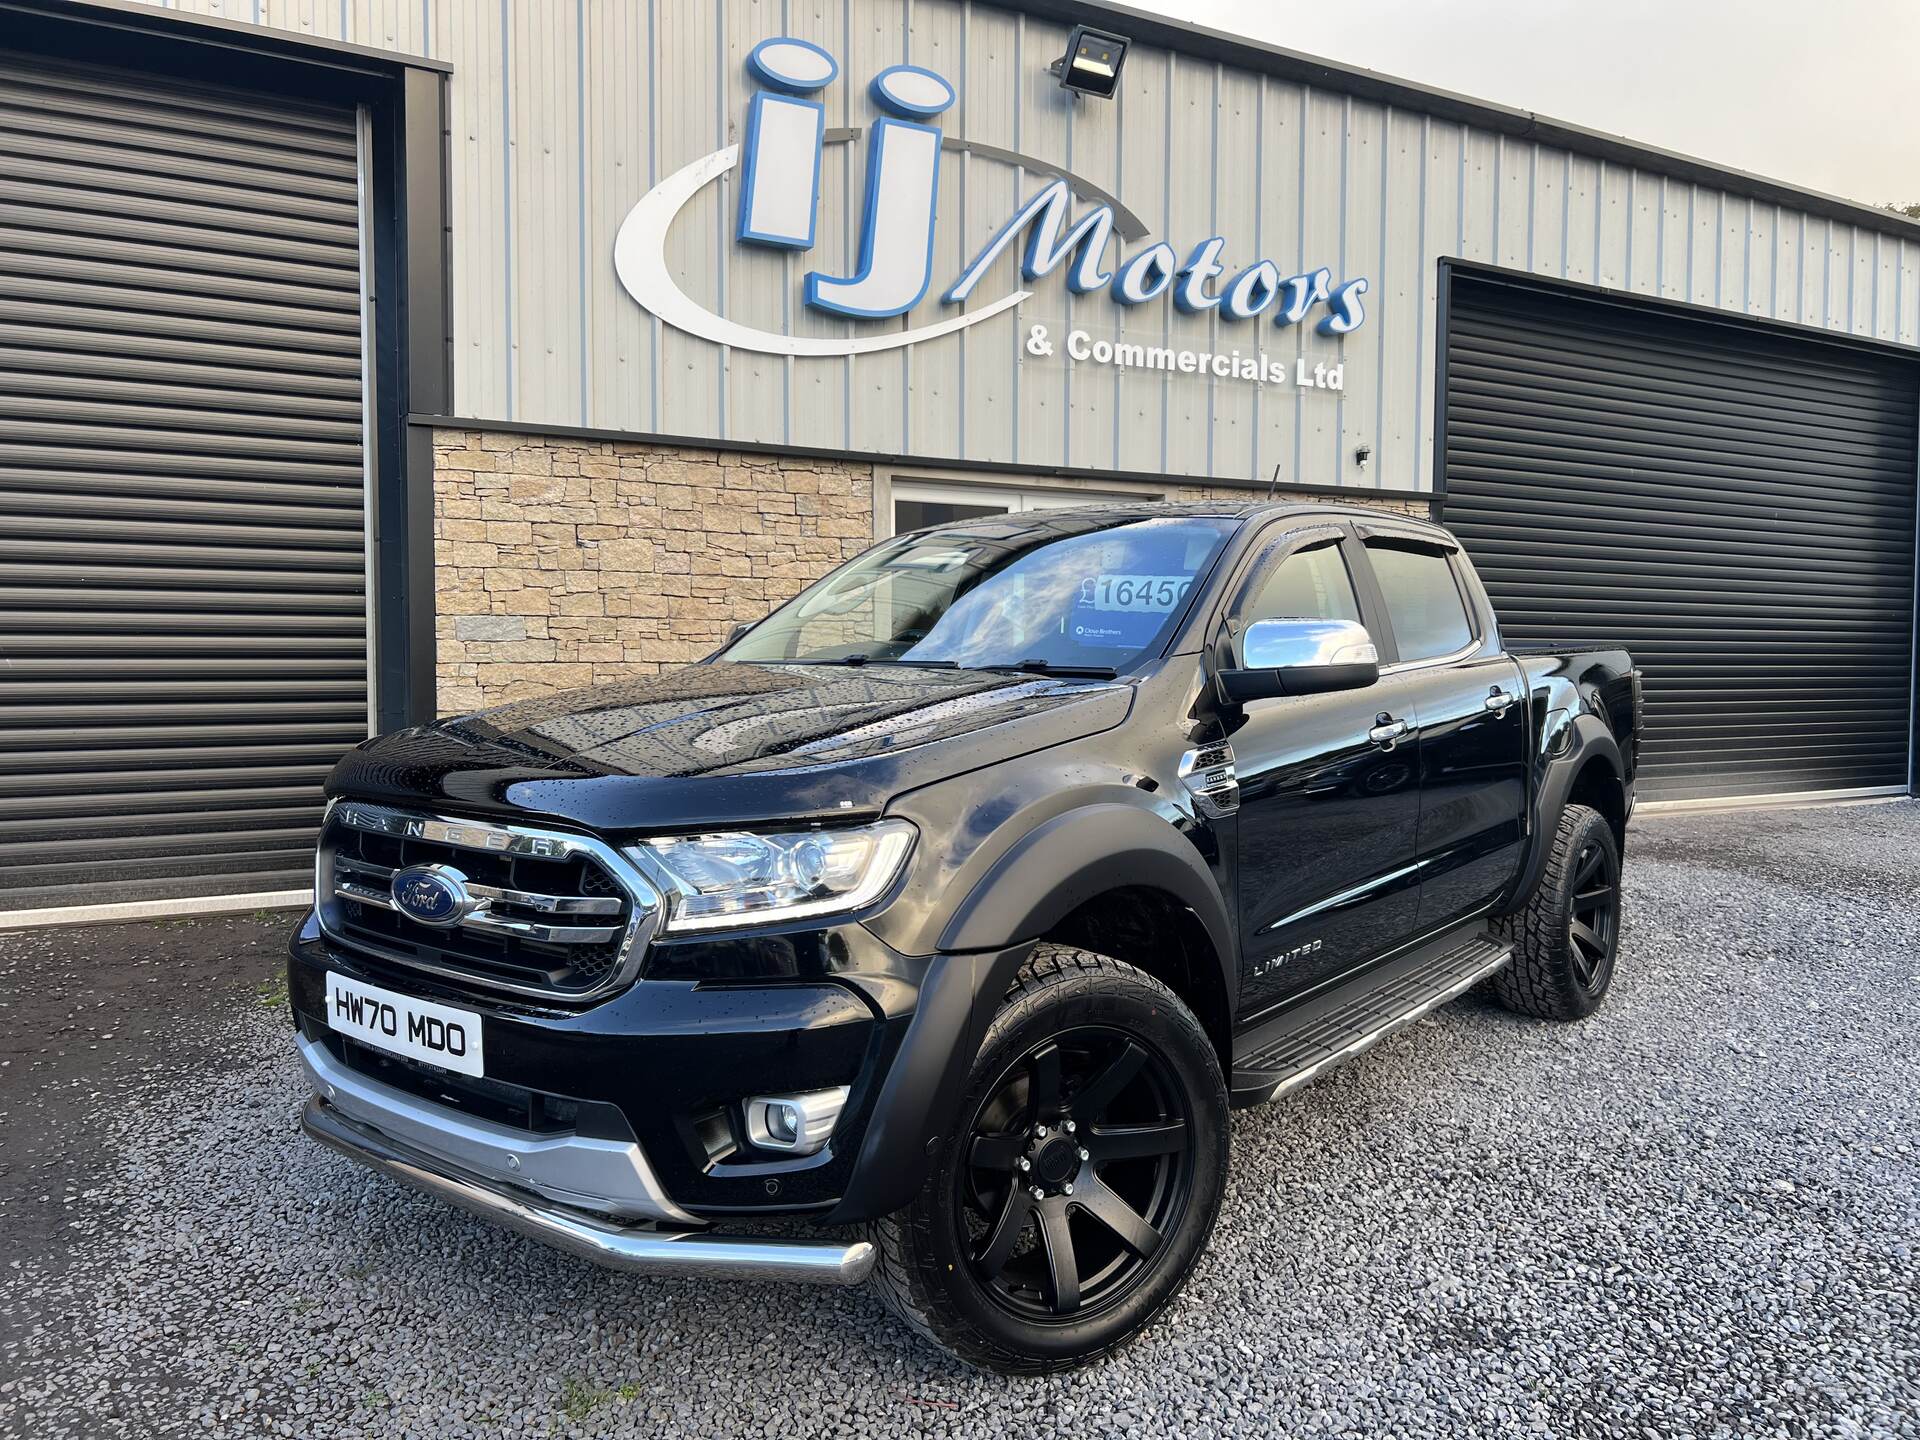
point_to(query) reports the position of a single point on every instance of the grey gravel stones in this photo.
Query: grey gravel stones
(1695, 1213)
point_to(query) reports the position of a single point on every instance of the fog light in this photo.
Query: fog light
(783, 1121)
(800, 1124)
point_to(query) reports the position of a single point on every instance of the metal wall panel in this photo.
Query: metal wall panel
(182, 543)
(565, 112)
(1735, 507)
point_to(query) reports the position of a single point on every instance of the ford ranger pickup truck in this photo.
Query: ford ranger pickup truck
(927, 932)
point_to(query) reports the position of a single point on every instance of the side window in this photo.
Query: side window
(1310, 584)
(1423, 599)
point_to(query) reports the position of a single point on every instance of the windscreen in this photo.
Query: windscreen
(1026, 590)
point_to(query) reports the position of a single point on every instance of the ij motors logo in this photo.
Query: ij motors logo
(779, 162)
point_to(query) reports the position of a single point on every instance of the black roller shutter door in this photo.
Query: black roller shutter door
(182, 542)
(1734, 504)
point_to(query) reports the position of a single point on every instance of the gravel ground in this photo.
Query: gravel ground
(1693, 1214)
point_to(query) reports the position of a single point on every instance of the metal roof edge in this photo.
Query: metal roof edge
(1257, 55)
(138, 17)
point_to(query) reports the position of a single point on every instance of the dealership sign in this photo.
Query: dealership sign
(779, 165)
(1258, 368)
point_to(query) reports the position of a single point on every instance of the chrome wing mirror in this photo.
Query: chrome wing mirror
(1300, 657)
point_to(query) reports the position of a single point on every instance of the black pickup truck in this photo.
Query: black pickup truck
(957, 901)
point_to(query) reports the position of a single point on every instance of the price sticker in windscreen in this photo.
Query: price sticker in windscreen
(1125, 610)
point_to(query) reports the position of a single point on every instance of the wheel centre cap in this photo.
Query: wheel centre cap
(1056, 1160)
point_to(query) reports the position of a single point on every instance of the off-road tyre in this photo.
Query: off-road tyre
(927, 1270)
(1554, 975)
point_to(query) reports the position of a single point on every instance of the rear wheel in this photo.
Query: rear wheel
(1566, 938)
(1082, 1179)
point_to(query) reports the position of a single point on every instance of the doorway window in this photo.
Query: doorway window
(918, 503)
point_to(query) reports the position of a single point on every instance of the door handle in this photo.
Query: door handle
(1500, 700)
(1387, 731)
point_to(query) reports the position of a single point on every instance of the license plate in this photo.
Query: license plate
(401, 1025)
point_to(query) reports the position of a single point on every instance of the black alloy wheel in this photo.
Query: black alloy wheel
(1078, 1166)
(1593, 914)
(1567, 935)
(1079, 1181)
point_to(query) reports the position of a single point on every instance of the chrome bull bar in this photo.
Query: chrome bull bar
(639, 1249)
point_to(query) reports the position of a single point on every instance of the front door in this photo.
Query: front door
(1325, 867)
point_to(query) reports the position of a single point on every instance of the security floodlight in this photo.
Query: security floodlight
(1092, 63)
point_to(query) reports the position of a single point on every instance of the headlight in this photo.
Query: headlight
(740, 878)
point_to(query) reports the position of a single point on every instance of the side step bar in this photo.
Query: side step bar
(1319, 1032)
(690, 1253)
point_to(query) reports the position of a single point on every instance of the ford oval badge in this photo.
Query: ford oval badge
(431, 894)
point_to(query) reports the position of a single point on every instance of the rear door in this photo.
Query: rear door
(1473, 732)
(1326, 828)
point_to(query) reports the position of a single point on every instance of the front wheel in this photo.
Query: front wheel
(1081, 1180)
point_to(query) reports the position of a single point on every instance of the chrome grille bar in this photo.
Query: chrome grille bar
(549, 904)
(538, 930)
(347, 877)
(498, 894)
(488, 921)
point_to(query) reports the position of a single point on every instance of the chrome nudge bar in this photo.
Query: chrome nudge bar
(688, 1253)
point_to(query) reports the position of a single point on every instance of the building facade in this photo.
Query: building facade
(388, 358)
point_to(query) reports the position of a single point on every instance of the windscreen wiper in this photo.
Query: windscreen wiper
(1048, 667)
(861, 658)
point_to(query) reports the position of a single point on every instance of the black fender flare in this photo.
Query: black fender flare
(1591, 739)
(1073, 857)
(1051, 871)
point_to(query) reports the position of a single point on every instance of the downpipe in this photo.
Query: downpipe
(688, 1254)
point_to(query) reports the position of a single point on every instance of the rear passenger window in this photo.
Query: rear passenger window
(1307, 585)
(1423, 600)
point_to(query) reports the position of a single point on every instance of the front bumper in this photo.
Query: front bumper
(630, 1108)
(584, 1172)
(662, 1067)
(644, 1250)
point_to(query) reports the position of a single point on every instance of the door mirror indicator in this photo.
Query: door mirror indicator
(1300, 657)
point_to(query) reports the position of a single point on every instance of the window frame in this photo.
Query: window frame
(1279, 554)
(1265, 552)
(1018, 498)
(1386, 638)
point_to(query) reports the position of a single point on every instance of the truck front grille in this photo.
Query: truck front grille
(524, 911)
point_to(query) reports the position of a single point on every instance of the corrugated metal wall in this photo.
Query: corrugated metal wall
(561, 120)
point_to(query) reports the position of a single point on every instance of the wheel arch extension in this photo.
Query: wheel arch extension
(1054, 881)
(1590, 773)
(1100, 876)
(1103, 876)
(1597, 785)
